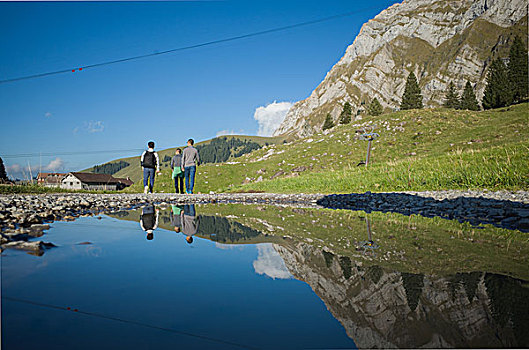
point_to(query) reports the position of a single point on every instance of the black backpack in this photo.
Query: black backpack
(148, 160)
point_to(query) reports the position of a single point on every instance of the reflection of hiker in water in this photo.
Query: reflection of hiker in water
(176, 217)
(189, 222)
(149, 220)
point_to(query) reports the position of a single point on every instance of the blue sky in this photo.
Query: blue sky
(197, 93)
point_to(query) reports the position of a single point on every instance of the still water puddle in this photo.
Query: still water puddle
(247, 276)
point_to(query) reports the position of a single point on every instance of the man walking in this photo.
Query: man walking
(149, 163)
(190, 161)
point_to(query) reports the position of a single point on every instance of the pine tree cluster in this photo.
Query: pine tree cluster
(110, 168)
(328, 124)
(220, 149)
(467, 100)
(347, 111)
(508, 84)
(412, 98)
(375, 108)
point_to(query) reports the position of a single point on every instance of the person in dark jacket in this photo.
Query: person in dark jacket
(149, 220)
(178, 174)
(150, 162)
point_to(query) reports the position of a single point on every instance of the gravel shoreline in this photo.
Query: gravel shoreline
(23, 216)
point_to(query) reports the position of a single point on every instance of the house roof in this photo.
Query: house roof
(45, 175)
(126, 182)
(95, 178)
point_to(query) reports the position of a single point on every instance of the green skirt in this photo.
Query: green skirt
(177, 172)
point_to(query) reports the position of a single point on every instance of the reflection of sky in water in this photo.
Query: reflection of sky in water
(223, 294)
(270, 263)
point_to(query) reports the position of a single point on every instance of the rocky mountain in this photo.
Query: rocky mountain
(390, 309)
(439, 40)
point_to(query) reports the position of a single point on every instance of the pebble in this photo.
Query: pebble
(25, 215)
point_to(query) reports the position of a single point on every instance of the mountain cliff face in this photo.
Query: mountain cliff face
(439, 40)
(390, 309)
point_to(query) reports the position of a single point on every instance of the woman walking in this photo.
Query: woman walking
(178, 174)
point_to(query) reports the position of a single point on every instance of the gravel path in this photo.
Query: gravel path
(26, 216)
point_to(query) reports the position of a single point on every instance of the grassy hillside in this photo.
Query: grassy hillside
(417, 150)
(134, 171)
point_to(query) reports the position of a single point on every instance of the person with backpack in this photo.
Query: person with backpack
(190, 161)
(150, 163)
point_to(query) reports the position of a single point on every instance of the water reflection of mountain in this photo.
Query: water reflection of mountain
(382, 308)
(379, 308)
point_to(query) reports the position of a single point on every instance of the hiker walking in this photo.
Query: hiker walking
(149, 220)
(190, 161)
(178, 174)
(150, 163)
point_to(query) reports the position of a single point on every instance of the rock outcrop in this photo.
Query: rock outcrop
(439, 40)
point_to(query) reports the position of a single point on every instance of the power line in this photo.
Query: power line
(171, 330)
(208, 43)
(52, 154)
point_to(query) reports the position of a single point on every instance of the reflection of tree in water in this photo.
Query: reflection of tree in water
(225, 231)
(469, 281)
(374, 273)
(413, 285)
(464, 310)
(345, 264)
(329, 257)
(121, 214)
(509, 304)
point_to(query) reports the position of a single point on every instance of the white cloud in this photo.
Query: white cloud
(15, 168)
(76, 130)
(270, 263)
(48, 114)
(95, 126)
(225, 132)
(269, 117)
(229, 132)
(55, 165)
(17, 171)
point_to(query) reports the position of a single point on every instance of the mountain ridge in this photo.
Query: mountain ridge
(437, 40)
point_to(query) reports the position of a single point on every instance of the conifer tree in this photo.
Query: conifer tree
(375, 108)
(412, 98)
(328, 124)
(518, 68)
(3, 174)
(451, 98)
(347, 111)
(468, 98)
(498, 93)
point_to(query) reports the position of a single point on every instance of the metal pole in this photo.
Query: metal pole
(368, 150)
